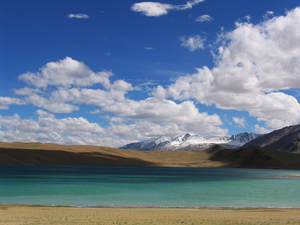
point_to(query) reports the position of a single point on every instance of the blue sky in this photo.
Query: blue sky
(113, 72)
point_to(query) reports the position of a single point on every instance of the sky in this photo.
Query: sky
(109, 73)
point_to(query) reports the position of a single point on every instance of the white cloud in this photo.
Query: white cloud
(47, 123)
(241, 122)
(159, 9)
(53, 105)
(254, 64)
(78, 16)
(156, 110)
(148, 48)
(162, 111)
(66, 94)
(66, 72)
(152, 8)
(204, 18)
(116, 120)
(49, 129)
(26, 91)
(5, 102)
(43, 114)
(193, 42)
(151, 109)
(145, 129)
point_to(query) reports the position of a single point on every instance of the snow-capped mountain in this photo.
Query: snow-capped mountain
(192, 142)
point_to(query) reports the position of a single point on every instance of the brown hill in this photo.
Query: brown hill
(86, 155)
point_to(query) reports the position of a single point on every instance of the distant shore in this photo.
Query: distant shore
(20, 214)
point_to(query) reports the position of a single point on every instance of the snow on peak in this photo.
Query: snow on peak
(189, 140)
(162, 139)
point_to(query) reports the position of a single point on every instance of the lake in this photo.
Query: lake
(148, 187)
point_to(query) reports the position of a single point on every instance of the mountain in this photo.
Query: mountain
(286, 139)
(191, 142)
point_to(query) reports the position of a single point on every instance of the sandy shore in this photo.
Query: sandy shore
(68, 215)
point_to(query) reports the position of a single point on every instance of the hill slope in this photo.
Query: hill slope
(215, 156)
(257, 157)
(86, 155)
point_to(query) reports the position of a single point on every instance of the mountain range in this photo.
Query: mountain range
(286, 139)
(192, 142)
(275, 150)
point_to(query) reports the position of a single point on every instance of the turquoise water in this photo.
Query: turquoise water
(149, 187)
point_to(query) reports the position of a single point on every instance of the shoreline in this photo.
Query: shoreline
(148, 207)
(25, 214)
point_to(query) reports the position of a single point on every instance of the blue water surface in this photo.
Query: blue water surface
(148, 187)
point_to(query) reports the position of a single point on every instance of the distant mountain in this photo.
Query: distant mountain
(191, 142)
(286, 139)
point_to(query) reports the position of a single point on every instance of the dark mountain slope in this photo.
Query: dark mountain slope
(257, 157)
(286, 139)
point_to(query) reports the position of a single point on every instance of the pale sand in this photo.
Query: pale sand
(69, 215)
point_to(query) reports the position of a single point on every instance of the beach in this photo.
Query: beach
(18, 214)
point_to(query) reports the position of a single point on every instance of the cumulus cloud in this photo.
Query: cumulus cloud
(66, 72)
(48, 123)
(51, 104)
(193, 42)
(67, 78)
(5, 102)
(49, 129)
(204, 18)
(78, 16)
(66, 75)
(63, 86)
(162, 111)
(253, 64)
(159, 9)
(154, 110)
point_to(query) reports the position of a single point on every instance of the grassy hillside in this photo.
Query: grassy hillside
(87, 155)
